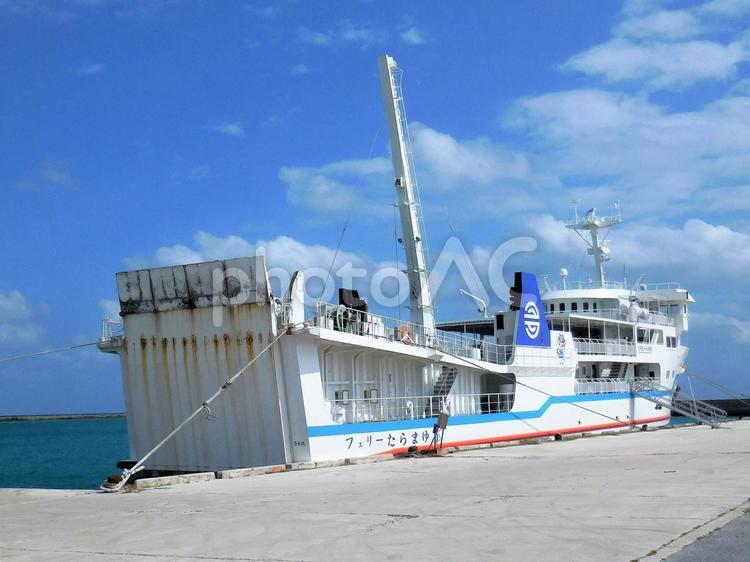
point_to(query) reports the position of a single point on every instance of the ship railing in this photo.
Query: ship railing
(284, 313)
(621, 314)
(358, 410)
(586, 346)
(614, 285)
(601, 386)
(344, 319)
(111, 330)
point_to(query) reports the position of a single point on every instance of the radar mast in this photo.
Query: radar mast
(593, 223)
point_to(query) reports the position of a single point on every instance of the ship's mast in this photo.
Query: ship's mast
(412, 226)
(597, 248)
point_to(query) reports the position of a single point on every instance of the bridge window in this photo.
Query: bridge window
(573, 306)
(562, 307)
(585, 306)
(552, 307)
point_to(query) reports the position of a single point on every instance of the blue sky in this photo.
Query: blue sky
(150, 132)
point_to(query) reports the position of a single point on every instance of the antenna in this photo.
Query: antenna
(564, 275)
(593, 223)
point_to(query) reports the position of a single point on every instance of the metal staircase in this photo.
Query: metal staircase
(618, 370)
(442, 387)
(687, 406)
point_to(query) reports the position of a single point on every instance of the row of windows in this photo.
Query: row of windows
(573, 307)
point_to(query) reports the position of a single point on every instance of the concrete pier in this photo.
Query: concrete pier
(635, 496)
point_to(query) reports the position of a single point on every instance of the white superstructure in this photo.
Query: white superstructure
(333, 380)
(632, 332)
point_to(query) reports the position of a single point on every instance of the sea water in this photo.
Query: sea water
(65, 454)
(72, 453)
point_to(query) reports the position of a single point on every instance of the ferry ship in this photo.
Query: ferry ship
(292, 381)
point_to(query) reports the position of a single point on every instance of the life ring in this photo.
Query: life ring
(405, 335)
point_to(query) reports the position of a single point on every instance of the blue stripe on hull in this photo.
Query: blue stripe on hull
(371, 427)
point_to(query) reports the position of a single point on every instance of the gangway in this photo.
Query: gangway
(687, 406)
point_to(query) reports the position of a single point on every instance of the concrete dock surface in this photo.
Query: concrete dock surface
(634, 496)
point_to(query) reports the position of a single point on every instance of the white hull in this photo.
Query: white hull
(556, 416)
(328, 391)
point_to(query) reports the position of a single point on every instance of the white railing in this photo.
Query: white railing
(601, 386)
(619, 314)
(108, 334)
(356, 410)
(283, 314)
(343, 319)
(614, 285)
(586, 346)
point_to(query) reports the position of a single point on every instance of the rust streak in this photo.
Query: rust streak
(249, 344)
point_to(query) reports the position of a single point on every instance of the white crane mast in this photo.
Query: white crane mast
(420, 302)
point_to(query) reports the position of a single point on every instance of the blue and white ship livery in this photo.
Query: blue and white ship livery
(330, 381)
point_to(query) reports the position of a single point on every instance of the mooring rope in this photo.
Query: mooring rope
(203, 408)
(47, 352)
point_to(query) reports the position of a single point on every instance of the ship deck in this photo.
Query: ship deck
(619, 497)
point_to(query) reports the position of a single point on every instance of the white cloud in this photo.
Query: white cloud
(109, 308)
(738, 330)
(308, 188)
(587, 114)
(553, 235)
(662, 24)
(452, 163)
(49, 174)
(268, 12)
(299, 69)
(413, 36)
(344, 32)
(65, 11)
(466, 174)
(696, 249)
(660, 48)
(284, 255)
(338, 186)
(741, 88)
(724, 199)
(636, 148)
(17, 323)
(14, 307)
(231, 129)
(661, 65)
(712, 248)
(198, 173)
(89, 69)
(319, 38)
(725, 8)
(362, 35)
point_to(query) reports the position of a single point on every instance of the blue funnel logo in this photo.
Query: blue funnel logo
(531, 320)
(532, 329)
